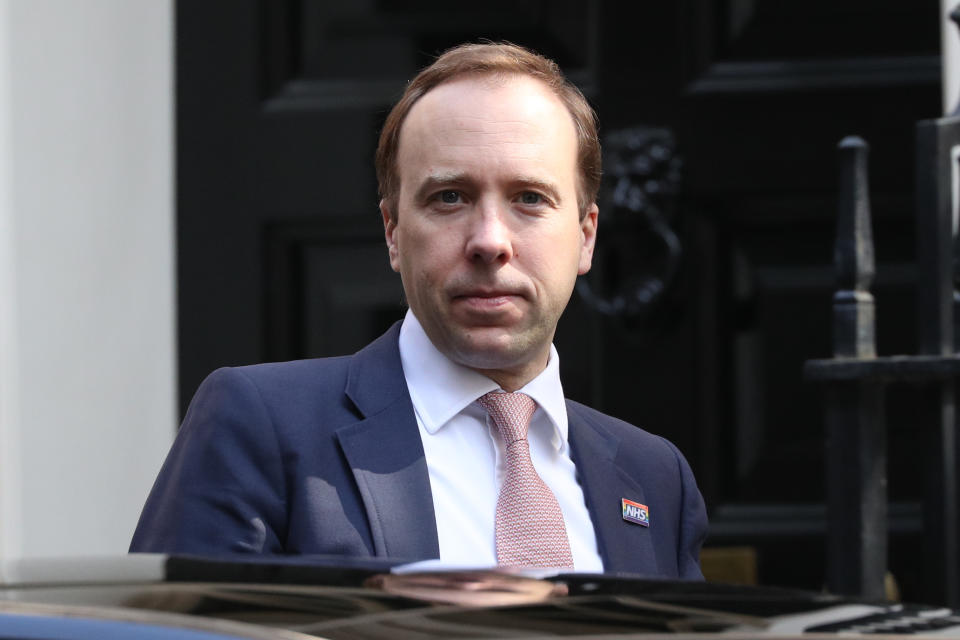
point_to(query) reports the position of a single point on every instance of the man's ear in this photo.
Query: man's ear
(390, 233)
(588, 238)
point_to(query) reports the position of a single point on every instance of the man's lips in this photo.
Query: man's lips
(487, 299)
(487, 294)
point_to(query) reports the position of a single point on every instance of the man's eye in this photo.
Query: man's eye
(529, 197)
(449, 197)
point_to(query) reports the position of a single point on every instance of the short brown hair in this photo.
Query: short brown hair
(493, 58)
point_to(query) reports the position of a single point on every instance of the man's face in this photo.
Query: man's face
(487, 235)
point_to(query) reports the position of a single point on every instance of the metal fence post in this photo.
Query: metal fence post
(937, 142)
(856, 376)
(856, 431)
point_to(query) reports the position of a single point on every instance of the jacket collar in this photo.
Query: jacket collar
(375, 378)
(386, 456)
(625, 547)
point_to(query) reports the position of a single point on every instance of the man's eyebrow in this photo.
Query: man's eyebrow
(435, 180)
(543, 185)
(456, 178)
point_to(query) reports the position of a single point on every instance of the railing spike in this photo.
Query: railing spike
(955, 210)
(854, 327)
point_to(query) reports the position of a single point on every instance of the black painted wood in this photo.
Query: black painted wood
(884, 368)
(278, 106)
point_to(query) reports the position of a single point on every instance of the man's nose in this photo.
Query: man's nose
(489, 238)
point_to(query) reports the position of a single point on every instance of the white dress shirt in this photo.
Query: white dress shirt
(465, 456)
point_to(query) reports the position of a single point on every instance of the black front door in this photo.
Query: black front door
(713, 278)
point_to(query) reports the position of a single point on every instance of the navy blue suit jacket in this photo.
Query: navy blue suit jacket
(324, 457)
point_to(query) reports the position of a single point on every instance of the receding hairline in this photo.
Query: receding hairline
(493, 79)
(495, 60)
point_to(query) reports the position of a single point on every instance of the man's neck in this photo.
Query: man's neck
(512, 379)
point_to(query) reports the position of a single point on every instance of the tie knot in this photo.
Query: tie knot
(511, 412)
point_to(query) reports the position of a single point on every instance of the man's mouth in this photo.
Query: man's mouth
(484, 299)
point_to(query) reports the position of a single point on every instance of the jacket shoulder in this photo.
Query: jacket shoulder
(292, 375)
(375, 370)
(285, 390)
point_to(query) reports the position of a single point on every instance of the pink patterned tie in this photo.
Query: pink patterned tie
(530, 529)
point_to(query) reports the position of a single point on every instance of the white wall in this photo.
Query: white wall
(87, 401)
(950, 54)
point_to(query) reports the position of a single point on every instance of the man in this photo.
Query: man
(449, 436)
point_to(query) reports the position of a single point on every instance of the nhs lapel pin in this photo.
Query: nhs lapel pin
(635, 512)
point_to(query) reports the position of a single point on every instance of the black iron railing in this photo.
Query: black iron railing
(855, 377)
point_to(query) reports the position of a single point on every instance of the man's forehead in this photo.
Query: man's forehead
(516, 114)
(505, 99)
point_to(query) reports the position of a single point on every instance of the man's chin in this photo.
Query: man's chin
(493, 350)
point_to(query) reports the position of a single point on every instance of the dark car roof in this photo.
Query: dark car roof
(322, 597)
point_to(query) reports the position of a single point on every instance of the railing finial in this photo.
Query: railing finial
(854, 327)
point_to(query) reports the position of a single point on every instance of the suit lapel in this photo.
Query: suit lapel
(624, 546)
(386, 455)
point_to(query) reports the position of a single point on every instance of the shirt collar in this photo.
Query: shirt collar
(440, 388)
